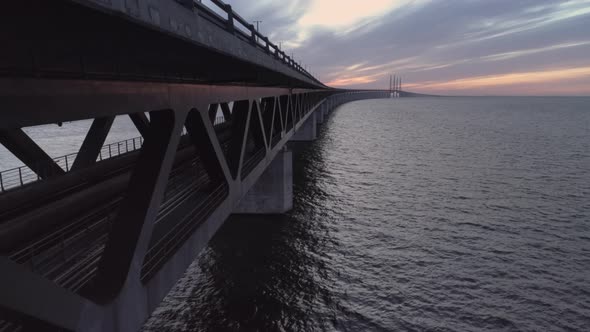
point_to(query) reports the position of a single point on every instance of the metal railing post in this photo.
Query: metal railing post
(110, 153)
(267, 44)
(230, 18)
(20, 175)
(252, 34)
(119, 148)
(1, 183)
(67, 166)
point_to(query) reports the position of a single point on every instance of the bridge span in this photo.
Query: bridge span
(93, 241)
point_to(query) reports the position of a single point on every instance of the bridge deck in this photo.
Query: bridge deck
(96, 246)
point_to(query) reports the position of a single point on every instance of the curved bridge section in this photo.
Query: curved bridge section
(94, 240)
(97, 245)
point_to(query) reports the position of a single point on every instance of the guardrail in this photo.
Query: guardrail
(23, 175)
(223, 15)
(20, 176)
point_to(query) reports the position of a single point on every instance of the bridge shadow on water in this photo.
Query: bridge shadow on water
(266, 273)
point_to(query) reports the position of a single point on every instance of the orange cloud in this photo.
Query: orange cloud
(507, 79)
(344, 12)
(351, 80)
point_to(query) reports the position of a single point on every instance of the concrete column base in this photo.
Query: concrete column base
(320, 114)
(308, 131)
(273, 193)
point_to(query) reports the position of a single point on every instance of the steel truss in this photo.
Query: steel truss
(109, 238)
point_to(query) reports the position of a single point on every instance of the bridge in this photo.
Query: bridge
(94, 240)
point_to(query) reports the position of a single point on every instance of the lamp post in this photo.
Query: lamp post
(257, 27)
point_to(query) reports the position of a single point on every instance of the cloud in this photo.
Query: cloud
(279, 18)
(360, 43)
(345, 81)
(527, 52)
(339, 13)
(554, 76)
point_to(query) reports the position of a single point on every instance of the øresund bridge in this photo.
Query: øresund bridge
(93, 241)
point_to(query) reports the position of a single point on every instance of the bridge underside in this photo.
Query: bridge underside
(96, 245)
(129, 40)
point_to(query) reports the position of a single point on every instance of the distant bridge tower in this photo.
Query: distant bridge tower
(390, 86)
(395, 86)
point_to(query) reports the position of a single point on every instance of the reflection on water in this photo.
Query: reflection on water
(239, 282)
(248, 293)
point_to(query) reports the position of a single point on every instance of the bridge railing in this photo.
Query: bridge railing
(20, 176)
(23, 175)
(226, 18)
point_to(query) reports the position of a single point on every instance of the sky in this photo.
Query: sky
(451, 47)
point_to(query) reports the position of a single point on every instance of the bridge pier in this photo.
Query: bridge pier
(307, 131)
(273, 192)
(321, 113)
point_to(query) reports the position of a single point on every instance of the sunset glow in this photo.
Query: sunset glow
(335, 13)
(339, 82)
(554, 76)
(529, 80)
(436, 46)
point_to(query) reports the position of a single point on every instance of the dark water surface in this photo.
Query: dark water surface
(449, 214)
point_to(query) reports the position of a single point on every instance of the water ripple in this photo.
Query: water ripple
(449, 214)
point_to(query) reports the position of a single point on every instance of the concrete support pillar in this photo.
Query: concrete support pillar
(273, 193)
(308, 131)
(320, 114)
